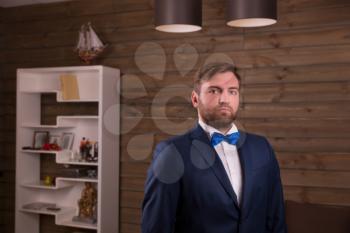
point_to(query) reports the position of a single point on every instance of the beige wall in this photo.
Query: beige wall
(296, 84)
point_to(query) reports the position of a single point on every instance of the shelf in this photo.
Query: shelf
(40, 151)
(41, 185)
(58, 95)
(97, 85)
(64, 213)
(78, 224)
(64, 210)
(39, 91)
(77, 117)
(61, 217)
(61, 183)
(78, 163)
(61, 157)
(81, 179)
(48, 126)
(57, 70)
(76, 101)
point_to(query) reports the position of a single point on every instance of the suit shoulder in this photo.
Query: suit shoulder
(261, 150)
(254, 137)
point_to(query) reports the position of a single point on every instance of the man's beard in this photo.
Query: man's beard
(214, 118)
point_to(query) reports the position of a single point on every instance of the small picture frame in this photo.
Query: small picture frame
(55, 139)
(67, 141)
(40, 138)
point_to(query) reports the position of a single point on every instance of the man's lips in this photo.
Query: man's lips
(224, 109)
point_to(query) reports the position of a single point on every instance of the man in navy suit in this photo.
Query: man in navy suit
(214, 178)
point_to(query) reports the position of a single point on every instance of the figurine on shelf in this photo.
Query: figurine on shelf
(82, 148)
(49, 180)
(88, 150)
(87, 204)
(93, 152)
(85, 148)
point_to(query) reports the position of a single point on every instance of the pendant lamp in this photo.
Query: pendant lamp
(251, 13)
(178, 16)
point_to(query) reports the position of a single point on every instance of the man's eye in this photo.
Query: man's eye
(234, 92)
(213, 91)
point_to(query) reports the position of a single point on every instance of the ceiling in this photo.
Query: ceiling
(13, 3)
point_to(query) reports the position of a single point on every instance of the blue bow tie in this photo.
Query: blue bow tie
(216, 138)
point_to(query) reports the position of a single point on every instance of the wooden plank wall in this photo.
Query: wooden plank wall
(296, 84)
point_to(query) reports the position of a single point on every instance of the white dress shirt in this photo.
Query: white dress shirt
(229, 157)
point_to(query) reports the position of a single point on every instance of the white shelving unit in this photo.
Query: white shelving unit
(96, 84)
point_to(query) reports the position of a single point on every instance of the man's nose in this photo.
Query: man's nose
(224, 97)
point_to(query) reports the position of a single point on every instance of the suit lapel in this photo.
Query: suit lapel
(245, 158)
(212, 158)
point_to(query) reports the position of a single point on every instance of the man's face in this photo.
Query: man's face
(218, 100)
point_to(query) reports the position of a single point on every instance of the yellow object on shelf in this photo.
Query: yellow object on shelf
(69, 87)
(48, 180)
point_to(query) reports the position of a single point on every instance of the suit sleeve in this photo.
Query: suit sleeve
(276, 211)
(162, 190)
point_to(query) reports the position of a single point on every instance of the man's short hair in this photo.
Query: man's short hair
(211, 69)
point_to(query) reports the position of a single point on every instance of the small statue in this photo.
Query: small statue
(49, 180)
(95, 152)
(92, 155)
(87, 204)
(85, 149)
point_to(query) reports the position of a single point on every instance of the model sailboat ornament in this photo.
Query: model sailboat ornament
(89, 45)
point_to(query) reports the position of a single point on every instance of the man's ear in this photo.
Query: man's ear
(194, 99)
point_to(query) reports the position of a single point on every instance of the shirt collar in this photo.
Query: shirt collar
(210, 130)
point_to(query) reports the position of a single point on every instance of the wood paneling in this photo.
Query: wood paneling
(315, 161)
(320, 179)
(130, 228)
(295, 88)
(331, 196)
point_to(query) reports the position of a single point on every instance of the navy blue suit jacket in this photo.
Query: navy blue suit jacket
(188, 191)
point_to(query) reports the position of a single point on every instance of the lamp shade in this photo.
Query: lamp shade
(251, 13)
(178, 16)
